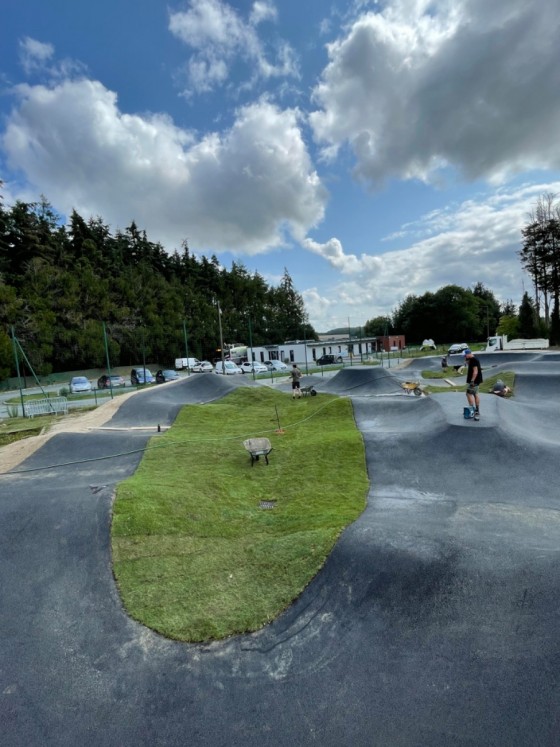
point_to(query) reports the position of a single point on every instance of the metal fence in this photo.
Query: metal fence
(49, 406)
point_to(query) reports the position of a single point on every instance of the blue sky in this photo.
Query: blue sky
(374, 149)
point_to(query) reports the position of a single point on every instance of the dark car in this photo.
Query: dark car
(114, 381)
(137, 376)
(326, 360)
(166, 375)
(457, 347)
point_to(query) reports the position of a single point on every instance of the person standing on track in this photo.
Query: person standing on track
(474, 379)
(296, 375)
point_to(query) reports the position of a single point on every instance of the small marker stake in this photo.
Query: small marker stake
(279, 429)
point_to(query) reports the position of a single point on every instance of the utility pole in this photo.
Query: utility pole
(108, 361)
(221, 337)
(186, 346)
(251, 346)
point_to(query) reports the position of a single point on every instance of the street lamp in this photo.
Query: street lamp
(186, 346)
(221, 336)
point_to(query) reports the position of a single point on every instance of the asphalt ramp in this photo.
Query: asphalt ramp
(159, 405)
(362, 381)
(434, 621)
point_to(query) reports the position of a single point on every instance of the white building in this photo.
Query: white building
(305, 352)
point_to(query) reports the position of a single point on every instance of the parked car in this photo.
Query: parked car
(167, 374)
(228, 367)
(79, 384)
(137, 376)
(114, 381)
(457, 347)
(326, 360)
(276, 366)
(203, 367)
(253, 367)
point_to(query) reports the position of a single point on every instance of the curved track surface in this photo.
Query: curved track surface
(434, 622)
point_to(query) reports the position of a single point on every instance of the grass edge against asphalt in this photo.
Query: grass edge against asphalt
(196, 556)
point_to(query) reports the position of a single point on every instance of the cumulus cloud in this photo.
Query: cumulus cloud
(424, 84)
(219, 37)
(246, 189)
(475, 241)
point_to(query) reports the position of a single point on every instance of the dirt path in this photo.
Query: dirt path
(13, 454)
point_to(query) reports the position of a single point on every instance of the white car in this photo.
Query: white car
(276, 366)
(253, 367)
(79, 384)
(228, 367)
(203, 367)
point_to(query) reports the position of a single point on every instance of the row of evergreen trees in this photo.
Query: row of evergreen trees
(59, 284)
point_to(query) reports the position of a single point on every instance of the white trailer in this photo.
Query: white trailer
(501, 342)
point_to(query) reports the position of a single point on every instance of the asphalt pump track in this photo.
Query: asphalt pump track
(435, 621)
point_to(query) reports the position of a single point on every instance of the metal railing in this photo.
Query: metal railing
(48, 406)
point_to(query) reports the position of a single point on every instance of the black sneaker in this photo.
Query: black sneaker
(476, 416)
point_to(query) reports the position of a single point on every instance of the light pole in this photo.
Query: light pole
(186, 346)
(221, 337)
(108, 360)
(251, 346)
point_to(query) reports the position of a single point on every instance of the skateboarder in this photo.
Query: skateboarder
(474, 379)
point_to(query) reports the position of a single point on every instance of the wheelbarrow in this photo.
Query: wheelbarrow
(308, 391)
(411, 387)
(258, 447)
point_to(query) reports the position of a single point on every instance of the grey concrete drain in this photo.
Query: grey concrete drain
(267, 504)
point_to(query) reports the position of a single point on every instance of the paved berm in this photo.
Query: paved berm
(434, 622)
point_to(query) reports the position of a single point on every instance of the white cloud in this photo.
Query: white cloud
(246, 189)
(262, 11)
(333, 253)
(422, 84)
(220, 38)
(37, 58)
(34, 54)
(477, 240)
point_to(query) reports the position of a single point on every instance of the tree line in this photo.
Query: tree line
(455, 314)
(62, 285)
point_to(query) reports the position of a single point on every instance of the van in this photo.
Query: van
(227, 367)
(189, 363)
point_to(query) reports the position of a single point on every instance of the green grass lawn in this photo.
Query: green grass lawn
(15, 429)
(195, 555)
